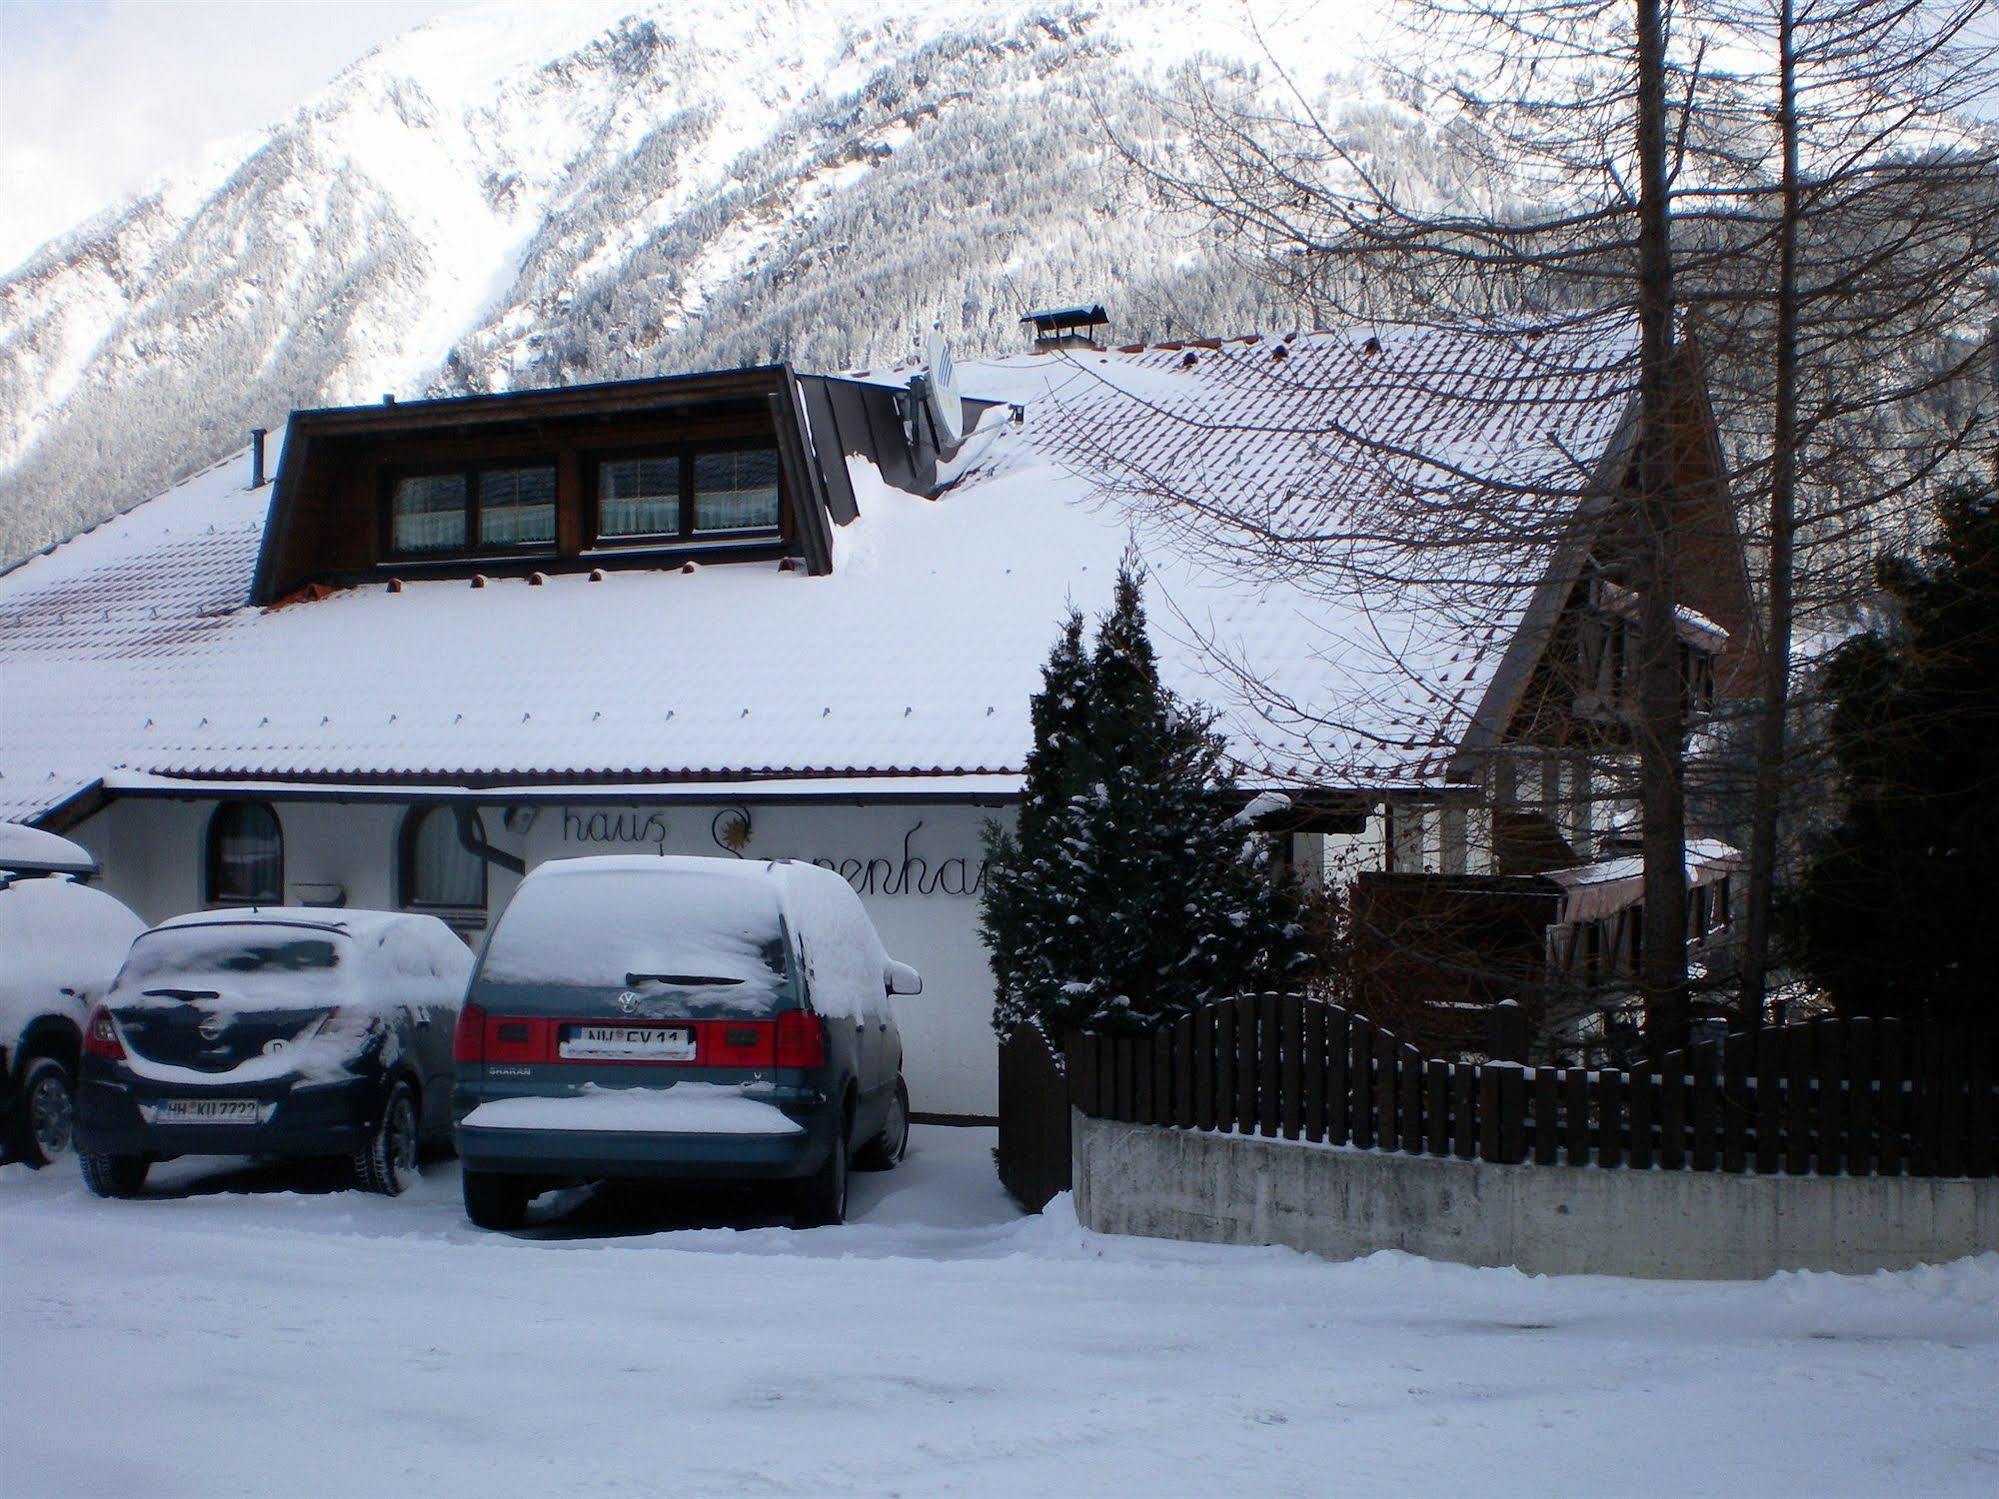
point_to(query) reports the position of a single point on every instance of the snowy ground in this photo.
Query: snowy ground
(245, 1331)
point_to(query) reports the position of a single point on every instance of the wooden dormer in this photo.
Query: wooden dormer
(643, 473)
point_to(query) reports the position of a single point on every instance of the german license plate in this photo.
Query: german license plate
(206, 1111)
(628, 1043)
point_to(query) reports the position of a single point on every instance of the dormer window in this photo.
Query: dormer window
(736, 491)
(506, 508)
(687, 494)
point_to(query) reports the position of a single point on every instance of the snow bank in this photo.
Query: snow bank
(682, 1109)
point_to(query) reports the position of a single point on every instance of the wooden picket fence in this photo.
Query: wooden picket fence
(1860, 1097)
(1033, 1151)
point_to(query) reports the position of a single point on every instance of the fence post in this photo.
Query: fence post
(1673, 1111)
(1384, 1090)
(1464, 1111)
(1769, 1098)
(1642, 1090)
(1609, 1117)
(1360, 1080)
(1832, 1096)
(1437, 1105)
(1547, 1107)
(1735, 1102)
(1798, 1100)
(1707, 1104)
(1314, 1061)
(1291, 1079)
(1248, 1118)
(1860, 1113)
(1339, 1036)
(1269, 1069)
(1893, 1107)
(1575, 1100)
(1183, 1072)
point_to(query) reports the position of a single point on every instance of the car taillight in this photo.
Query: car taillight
(468, 1041)
(801, 1039)
(100, 1037)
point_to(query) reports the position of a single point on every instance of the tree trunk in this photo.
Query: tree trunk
(1774, 699)
(1659, 722)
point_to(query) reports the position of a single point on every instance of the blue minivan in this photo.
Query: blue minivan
(679, 1019)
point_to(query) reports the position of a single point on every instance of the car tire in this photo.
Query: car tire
(885, 1149)
(45, 1121)
(494, 1199)
(386, 1160)
(822, 1196)
(114, 1175)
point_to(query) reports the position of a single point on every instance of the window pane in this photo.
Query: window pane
(246, 855)
(442, 871)
(516, 506)
(639, 497)
(736, 491)
(429, 513)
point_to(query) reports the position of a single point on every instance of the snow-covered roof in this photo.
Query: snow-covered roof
(132, 650)
(1593, 890)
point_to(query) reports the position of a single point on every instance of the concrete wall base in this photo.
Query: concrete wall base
(1546, 1220)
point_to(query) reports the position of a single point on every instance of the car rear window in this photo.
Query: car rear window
(720, 937)
(240, 964)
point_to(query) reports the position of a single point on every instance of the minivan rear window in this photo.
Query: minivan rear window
(644, 930)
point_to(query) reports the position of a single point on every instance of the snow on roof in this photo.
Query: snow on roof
(131, 649)
(1593, 890)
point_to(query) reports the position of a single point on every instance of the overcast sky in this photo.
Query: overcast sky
(99, 96)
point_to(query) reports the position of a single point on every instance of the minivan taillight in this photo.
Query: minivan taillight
(801, 1039)
(100, 1037)
(468, 1042)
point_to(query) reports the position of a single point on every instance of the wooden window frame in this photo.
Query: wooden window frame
(406, 832)
(474, 549)
(686, 538)
(212, 866)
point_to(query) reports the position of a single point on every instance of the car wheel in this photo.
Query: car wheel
(822, 1196)
(888, 1147)
(114, 1175)
(46, 1124)
(496, 1200)
(386, 1161)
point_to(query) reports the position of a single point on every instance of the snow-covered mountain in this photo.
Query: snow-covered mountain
(524, 194)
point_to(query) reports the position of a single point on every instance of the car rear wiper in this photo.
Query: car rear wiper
(182, 993)
(676, 980)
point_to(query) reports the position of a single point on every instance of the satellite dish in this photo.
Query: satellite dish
(947, 407)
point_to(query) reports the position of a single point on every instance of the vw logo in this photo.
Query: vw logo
(629, 1002)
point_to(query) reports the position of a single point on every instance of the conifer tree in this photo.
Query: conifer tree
(1896, 913)
(1129, 891)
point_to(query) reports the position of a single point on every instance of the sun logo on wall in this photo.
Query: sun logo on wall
(731, 830)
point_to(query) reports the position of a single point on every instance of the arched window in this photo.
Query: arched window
(246, 855)
(437, 869)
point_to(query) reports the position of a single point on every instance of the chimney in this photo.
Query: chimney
(388, 398)
(1067, 327)
(257, 436)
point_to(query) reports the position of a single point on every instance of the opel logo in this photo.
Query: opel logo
(213, 1027)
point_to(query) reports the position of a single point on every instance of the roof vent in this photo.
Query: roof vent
(1068, 327)
(1189, 359)
(257, 436)
(1372, 346)
(388, 398)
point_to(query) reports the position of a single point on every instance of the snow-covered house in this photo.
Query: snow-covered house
(771, 614)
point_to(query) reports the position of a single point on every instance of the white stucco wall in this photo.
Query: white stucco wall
(917, 868)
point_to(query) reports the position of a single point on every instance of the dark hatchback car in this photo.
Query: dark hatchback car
(274, 1032)
(679, 1019)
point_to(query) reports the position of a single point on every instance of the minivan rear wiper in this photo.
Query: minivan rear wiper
(677, 980)
(182, 993)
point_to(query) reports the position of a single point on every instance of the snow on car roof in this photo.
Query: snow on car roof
(360, 925)
(131, 649)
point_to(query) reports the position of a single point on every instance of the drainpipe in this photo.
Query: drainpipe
(472, 837)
